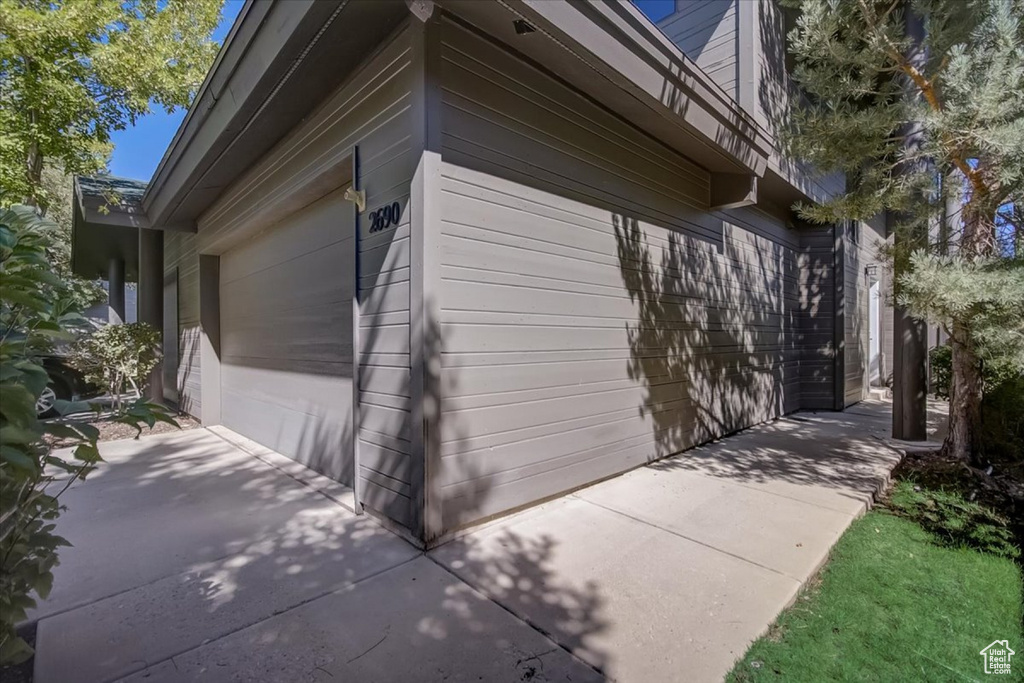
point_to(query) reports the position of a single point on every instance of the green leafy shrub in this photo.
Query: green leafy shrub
(36, 311)
(1002, 418)
(940, 361)
(953, 520)
(116, 356)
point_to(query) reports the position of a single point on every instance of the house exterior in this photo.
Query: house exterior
(467, 255)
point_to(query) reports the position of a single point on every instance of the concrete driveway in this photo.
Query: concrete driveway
(196, 560)
(199, 560)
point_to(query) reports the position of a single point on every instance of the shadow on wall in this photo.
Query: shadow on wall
(817, 338)
(696, 27)
(679, 102)
(776, 90)
(523, 574)
(713, 340)
(774, 86)
(187, 357)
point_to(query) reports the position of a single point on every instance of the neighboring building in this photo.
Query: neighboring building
(105, 242)
(103, 312)
(576, 255)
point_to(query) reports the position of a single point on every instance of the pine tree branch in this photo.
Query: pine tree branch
(931, 95)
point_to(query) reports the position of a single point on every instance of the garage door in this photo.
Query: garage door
(286, 337)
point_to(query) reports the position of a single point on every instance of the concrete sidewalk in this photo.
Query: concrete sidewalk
(197, 560)
(670, 571)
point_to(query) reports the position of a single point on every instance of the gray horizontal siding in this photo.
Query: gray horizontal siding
(385, 450)
(773, 90)
(371, 112)
(386, 166)
(286, 337)
(593, 315)
(180, 253)
(707, 33)
(817, 318)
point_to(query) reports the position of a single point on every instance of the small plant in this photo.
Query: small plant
(36, 311)
(118, 356)
(953, 520)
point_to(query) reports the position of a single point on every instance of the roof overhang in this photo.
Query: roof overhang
(107, 216)
(280, 60)
(613, 53)
(106, 220)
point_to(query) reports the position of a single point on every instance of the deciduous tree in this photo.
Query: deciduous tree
(74, 71)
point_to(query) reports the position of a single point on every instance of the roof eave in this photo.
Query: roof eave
(614, 54)
(280, 61)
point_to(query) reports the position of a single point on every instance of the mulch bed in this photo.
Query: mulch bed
(111, 430)
(999, 487)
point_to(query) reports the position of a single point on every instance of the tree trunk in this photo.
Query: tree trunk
(964, 400)
(34, 173)
(33, 155)
(966, 385)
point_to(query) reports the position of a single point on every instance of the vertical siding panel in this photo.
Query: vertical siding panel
(181, 253)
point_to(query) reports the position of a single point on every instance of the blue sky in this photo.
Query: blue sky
(656, 10)
(137, 150)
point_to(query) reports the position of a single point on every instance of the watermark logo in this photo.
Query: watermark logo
(997, 657)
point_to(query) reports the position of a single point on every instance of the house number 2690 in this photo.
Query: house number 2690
(385, 217)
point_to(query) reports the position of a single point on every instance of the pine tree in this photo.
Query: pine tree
(916, 126)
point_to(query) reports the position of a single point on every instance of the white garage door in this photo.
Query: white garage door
(286, 337)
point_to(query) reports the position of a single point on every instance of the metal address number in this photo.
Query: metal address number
(385, 217)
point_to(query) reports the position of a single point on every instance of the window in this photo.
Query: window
(655, 10)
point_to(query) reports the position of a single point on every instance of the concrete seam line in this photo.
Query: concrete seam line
(515, 615)
(278, 613)
(86, 603)
(692, 540)
(158, 579)
(286, 472)
(773, 493)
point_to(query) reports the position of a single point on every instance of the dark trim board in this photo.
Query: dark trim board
(169, 367)
(357, 486)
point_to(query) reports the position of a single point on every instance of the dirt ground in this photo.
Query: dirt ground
(111, 430)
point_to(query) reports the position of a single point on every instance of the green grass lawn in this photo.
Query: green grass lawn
(893, 606)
